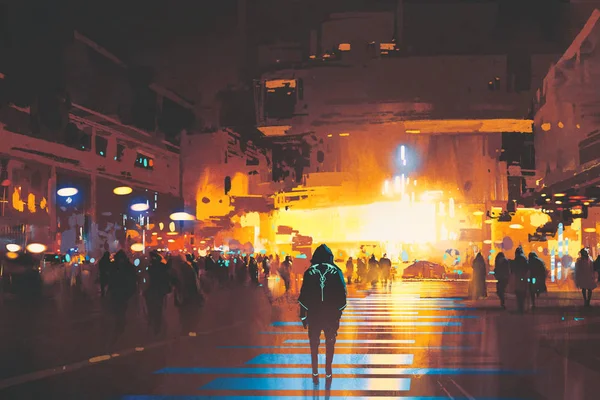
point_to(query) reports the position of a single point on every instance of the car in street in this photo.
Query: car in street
(424, 270)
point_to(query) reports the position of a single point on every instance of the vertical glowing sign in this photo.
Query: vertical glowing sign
(560, 251)
(552, 265)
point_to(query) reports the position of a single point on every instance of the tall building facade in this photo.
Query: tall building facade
(65, 150)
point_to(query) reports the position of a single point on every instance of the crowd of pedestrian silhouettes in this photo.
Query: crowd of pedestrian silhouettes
(526, 276)
(370, 270)
(189, 278)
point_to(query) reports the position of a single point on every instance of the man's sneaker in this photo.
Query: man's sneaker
(329, 377)
(315, 378)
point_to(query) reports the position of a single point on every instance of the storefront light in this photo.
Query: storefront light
(139, 207)
(516, 226)
(12, 256)
(36, 248)
(172, 226)
(67, 192)
(589, 230)
(489, 221)
(478, 213)
(122, 190)
(171, 241)
(13, 247)
(182, 216)
(137, 247)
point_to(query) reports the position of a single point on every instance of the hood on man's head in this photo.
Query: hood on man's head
(322, 254)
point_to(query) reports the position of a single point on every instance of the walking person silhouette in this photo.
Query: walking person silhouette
(322, 300)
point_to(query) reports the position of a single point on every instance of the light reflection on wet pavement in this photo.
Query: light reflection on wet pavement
(417, 340)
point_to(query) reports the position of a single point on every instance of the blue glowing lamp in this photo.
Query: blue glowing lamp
(67, 192)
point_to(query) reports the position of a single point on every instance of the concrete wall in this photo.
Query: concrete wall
(568, 102)
(208, 159)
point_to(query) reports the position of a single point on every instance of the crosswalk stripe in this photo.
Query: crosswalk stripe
(342, 371)
(338, 384)
(375, 333)
(339, 359)
(373, 324)
(279, 397)
(364, 341)
(342, 346)
(408, 317)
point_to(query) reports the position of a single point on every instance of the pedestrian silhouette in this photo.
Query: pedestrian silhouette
(322, 300)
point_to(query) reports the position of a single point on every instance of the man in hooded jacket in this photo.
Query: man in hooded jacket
(322, 300)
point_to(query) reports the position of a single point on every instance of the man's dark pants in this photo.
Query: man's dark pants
(330, 327)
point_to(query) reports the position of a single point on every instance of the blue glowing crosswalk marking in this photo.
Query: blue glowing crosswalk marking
(383, 323)
(279, 397)
(396, 316)
(339, 359)
(287, 384)
(341, 371)
(364, 341)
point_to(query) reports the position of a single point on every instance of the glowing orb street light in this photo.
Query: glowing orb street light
(13, 248)
(36, 248)
(12, 256)
(67, 192)
(122, 190)
(137, 247)
(140, 207)
(172, 226)
(182, 216)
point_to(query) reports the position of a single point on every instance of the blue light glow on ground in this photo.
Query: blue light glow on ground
(313, 397)
(344, 384)
(339, 359)
(342, 371)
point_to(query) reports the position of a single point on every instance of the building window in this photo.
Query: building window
(101, 145)
(344, 47)
(120, 152)
(280, 99)
(85, 142)
(143, 161)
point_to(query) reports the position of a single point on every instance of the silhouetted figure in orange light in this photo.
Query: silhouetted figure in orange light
(349, 270)
(477, 286)
(501, 271)
(385, 265)
(519, 270)
(585, 277)
(537, 277)
(285, 271)
(322, 300)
